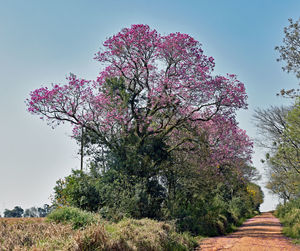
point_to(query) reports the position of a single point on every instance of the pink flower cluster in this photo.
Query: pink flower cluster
(168, 81)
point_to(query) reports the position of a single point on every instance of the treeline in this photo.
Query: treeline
(209, 203)
(280, 127)
(18, 212)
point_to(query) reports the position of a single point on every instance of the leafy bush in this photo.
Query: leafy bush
(129, 196)
(213, 215)
(76, 217)
(77, 190)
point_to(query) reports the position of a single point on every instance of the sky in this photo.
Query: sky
(41, 42)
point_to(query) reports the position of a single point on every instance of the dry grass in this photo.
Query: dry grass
(36, 234)
(22, 220)
(33, 234)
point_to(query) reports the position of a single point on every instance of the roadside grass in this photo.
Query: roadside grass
(23, 234)
(76, 230)
(146, 234)
(289, 215)
(73, 229)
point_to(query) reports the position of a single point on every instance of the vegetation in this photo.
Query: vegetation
(289, 215)
(74, 216)
(280, 126)
(210, 206)
(290, 53)
(162, 142)
(29, 212)
(281, 130)
(128, 234)
(16, 212)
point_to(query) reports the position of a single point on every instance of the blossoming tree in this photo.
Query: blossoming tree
(150, 86)
(156, 103)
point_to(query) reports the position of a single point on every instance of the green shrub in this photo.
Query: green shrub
(289, 215)
(77, 190)
(76, 217)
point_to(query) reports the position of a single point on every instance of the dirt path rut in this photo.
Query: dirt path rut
(261, 233)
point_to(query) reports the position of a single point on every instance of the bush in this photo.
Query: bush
(77, 190)
(76, 217)
(289, 215)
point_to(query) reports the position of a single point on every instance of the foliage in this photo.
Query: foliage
(130, 196)
(215, 205)
(256, 195)
(114, 195)
(290, 53)
(280, 129)
(74, 216)
(286, 158)
(289, 215)
(29, 212)
(160, 132)
(16, 212)
(288, 153)
(129, 234)
(153, 88)
(78, 190)
(218, 192)
(37, 211)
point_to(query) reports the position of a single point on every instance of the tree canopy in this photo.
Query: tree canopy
(151, 86)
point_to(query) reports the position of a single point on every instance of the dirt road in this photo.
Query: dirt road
(261, 233)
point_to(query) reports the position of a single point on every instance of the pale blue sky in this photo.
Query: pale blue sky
(42, 41)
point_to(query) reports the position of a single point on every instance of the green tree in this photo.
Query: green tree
(78, 190)
(280, 125)
(290, 53)
(287, 156)
(280, 130)
(31, 212)
(14, 213)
